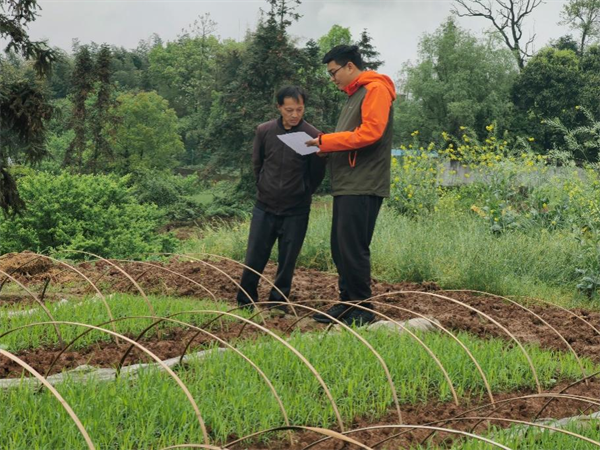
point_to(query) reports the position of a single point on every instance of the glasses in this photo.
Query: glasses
(332, 73)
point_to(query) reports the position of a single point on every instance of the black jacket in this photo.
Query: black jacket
(285, 180)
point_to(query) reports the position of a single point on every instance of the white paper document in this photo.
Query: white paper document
(296, 141)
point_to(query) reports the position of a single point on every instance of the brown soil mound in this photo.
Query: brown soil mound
(27, 264)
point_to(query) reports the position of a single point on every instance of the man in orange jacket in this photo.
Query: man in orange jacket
(359, 160)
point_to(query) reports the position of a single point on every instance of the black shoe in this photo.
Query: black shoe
(358, 317)
(335, 311)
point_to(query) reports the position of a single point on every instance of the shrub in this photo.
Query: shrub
(93, 213)
(415, 179)
(172, 193)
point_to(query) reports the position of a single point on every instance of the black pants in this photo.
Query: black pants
(354, 218)
(265, 229)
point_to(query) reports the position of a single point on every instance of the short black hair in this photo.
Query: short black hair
(295, 92)
(343, 54)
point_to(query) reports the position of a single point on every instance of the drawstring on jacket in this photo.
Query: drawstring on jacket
(352, 158)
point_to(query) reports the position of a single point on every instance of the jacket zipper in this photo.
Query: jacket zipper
(281, 174)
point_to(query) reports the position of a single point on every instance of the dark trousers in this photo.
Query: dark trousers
(265, 229)
(354, 218)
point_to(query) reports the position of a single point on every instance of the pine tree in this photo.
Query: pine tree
(325, 99)
(368, 52)
(82, 86)
(16, 17)
(269, 61)
(24, 104)
(100, 115)
(284, 12)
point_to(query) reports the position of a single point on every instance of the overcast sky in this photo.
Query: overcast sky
(395, 25)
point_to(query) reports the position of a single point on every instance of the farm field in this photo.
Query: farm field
(132, 170)
(276, 371)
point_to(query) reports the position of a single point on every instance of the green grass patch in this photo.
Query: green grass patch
(456, 250)
(92, 311)
(152, 412)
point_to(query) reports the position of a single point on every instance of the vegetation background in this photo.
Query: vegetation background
(107, 149)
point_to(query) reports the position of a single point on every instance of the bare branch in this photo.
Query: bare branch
(507, 17)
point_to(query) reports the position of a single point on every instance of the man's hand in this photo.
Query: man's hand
(312, 143)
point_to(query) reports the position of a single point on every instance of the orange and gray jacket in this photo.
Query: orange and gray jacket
(285, 180)
(360, 149)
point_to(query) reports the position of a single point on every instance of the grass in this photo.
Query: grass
(456, 250)
(535, 438)
(152, 412)
(92, 311)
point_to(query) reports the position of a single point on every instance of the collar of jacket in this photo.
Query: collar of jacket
(291, 130)
(354, 86)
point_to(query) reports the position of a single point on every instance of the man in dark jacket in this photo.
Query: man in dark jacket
(359, 154)
(285, 182)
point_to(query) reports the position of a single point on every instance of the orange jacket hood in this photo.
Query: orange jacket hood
(368, 77)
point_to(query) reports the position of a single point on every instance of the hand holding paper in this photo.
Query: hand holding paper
(297, 142)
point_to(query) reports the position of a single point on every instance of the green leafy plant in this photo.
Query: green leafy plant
(93, 213)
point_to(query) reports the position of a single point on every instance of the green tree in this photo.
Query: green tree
(283, 12)
(146, 136)
(368, 52)
(100, 117)
(330, 97)
(269, 61)
(457, 81)
(324, 99)
(185, 72)
(583, 16)
(83, 83)
(60, 79)
(24, 107)
(590, 71)
(565, 43)
(548, 87)
(14, 20)
(130, 68)
(337, 35)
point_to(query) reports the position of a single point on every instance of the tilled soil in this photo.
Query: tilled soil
(454, 310)
(49, 361)
(438, 414)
